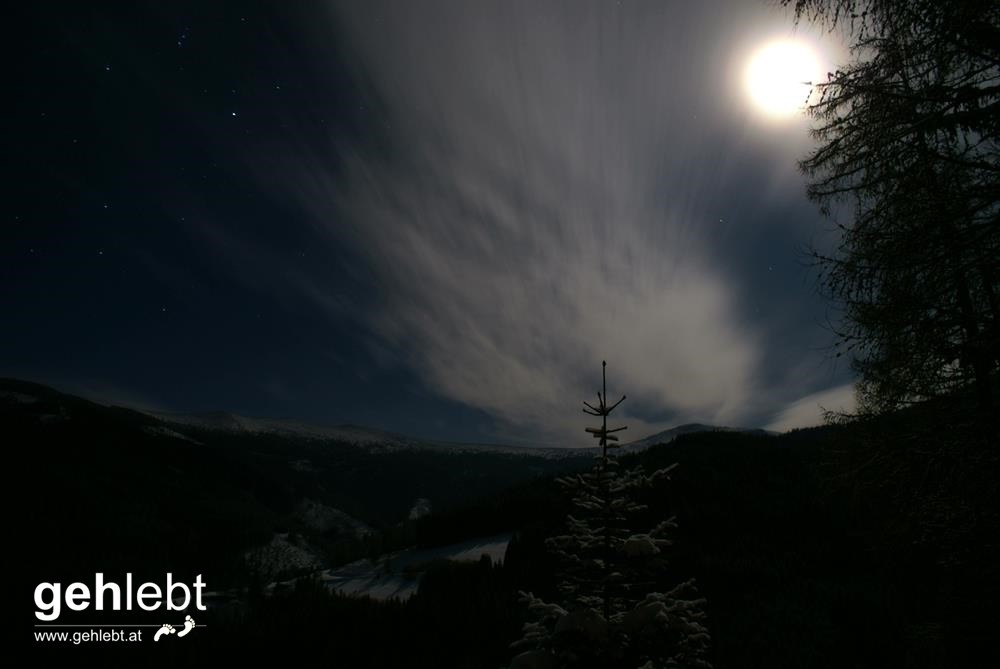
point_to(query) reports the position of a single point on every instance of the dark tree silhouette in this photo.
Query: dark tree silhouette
(610, 613)
(908, 134)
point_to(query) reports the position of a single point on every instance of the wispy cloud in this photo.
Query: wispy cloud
(808, 411)
(547, 204)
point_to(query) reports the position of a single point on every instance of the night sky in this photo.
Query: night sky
(436, 218)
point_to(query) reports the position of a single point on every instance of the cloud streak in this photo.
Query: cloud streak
(538, 214)
(808, 411)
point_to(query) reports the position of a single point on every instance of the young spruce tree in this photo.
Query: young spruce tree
(609, 615)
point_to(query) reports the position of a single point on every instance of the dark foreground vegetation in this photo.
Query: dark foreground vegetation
(863, 545)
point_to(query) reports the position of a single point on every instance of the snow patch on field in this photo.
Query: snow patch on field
(397, 575)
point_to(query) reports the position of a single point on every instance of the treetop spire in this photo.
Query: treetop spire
(603, 410)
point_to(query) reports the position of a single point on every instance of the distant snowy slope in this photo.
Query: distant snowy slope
(382, 441)
(368, 438)
(231, 422)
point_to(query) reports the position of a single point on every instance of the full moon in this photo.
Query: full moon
(780, 75)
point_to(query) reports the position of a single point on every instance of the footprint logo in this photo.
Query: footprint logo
(166, 629)
(188, 626)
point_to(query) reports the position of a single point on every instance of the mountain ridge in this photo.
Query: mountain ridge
(361, 436)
